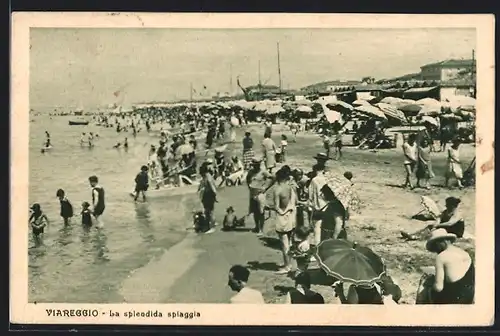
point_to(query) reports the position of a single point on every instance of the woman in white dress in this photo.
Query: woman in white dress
(454, 165)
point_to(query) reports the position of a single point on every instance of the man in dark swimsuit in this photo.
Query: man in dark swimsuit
(98, 202)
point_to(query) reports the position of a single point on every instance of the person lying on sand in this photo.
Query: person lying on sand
(450, 220)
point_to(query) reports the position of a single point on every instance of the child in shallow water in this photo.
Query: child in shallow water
(86, 215)
(66, 207)
(38, 221)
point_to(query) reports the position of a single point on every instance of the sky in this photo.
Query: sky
(85, 67)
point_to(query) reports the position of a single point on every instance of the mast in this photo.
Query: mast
(473, 71)
(279, 68)
(230, 79)
(191, 93)
(260, 82)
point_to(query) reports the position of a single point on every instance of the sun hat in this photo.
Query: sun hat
(321, 156)
(437, 235)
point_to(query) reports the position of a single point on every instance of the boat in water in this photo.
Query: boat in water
(78, 122)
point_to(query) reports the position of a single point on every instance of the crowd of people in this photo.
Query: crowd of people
(307, 208)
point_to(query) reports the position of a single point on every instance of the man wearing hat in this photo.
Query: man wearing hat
(258, 182)
(454, 279)
(316, 199)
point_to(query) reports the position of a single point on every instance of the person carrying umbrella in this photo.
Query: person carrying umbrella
(339, 195)
(349, 262)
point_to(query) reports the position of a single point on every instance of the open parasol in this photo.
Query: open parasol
(305, 109)
(430, 110)
(391, 100)
(430, 120)
(430, 206)
(343, 191)
(340, 106)
(428, 102)
(305, 102)
(349, 262)
(410, 109)
(332, 116)
(274, 109)
(371, 111)
(392, 112)
(360, 102)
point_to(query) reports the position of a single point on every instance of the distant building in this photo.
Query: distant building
(447, 70)
(331, 86)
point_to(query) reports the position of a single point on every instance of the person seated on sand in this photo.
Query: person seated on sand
(236, 171)
(454, 279)
(450, 219)
(302, 293)
(237, 281)
(300, 248)
(386, 291)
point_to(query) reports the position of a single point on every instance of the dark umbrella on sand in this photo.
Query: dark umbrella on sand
(349, 262)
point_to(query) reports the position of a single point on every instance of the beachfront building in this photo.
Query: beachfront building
(447, 70)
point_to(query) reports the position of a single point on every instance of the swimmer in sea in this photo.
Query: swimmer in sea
(38, 221)
(82, 139)
(125, 144)
(91, 140)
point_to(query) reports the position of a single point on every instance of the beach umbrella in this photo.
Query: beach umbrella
(430, 110)
(303, 102)
(332, 116)
(391, 100)
(326, 99)
(392, 112)
(349, 262)
(451, 116)
(430, 206)
(360, 102)
(274, 109)
(428, 101)
(305, 109)
(261, 106)
(340, 106)
(410, 109)
(371, 111)
(430, 120)
(342, 190)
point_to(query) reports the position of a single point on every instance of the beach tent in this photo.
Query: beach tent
(392, 112)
